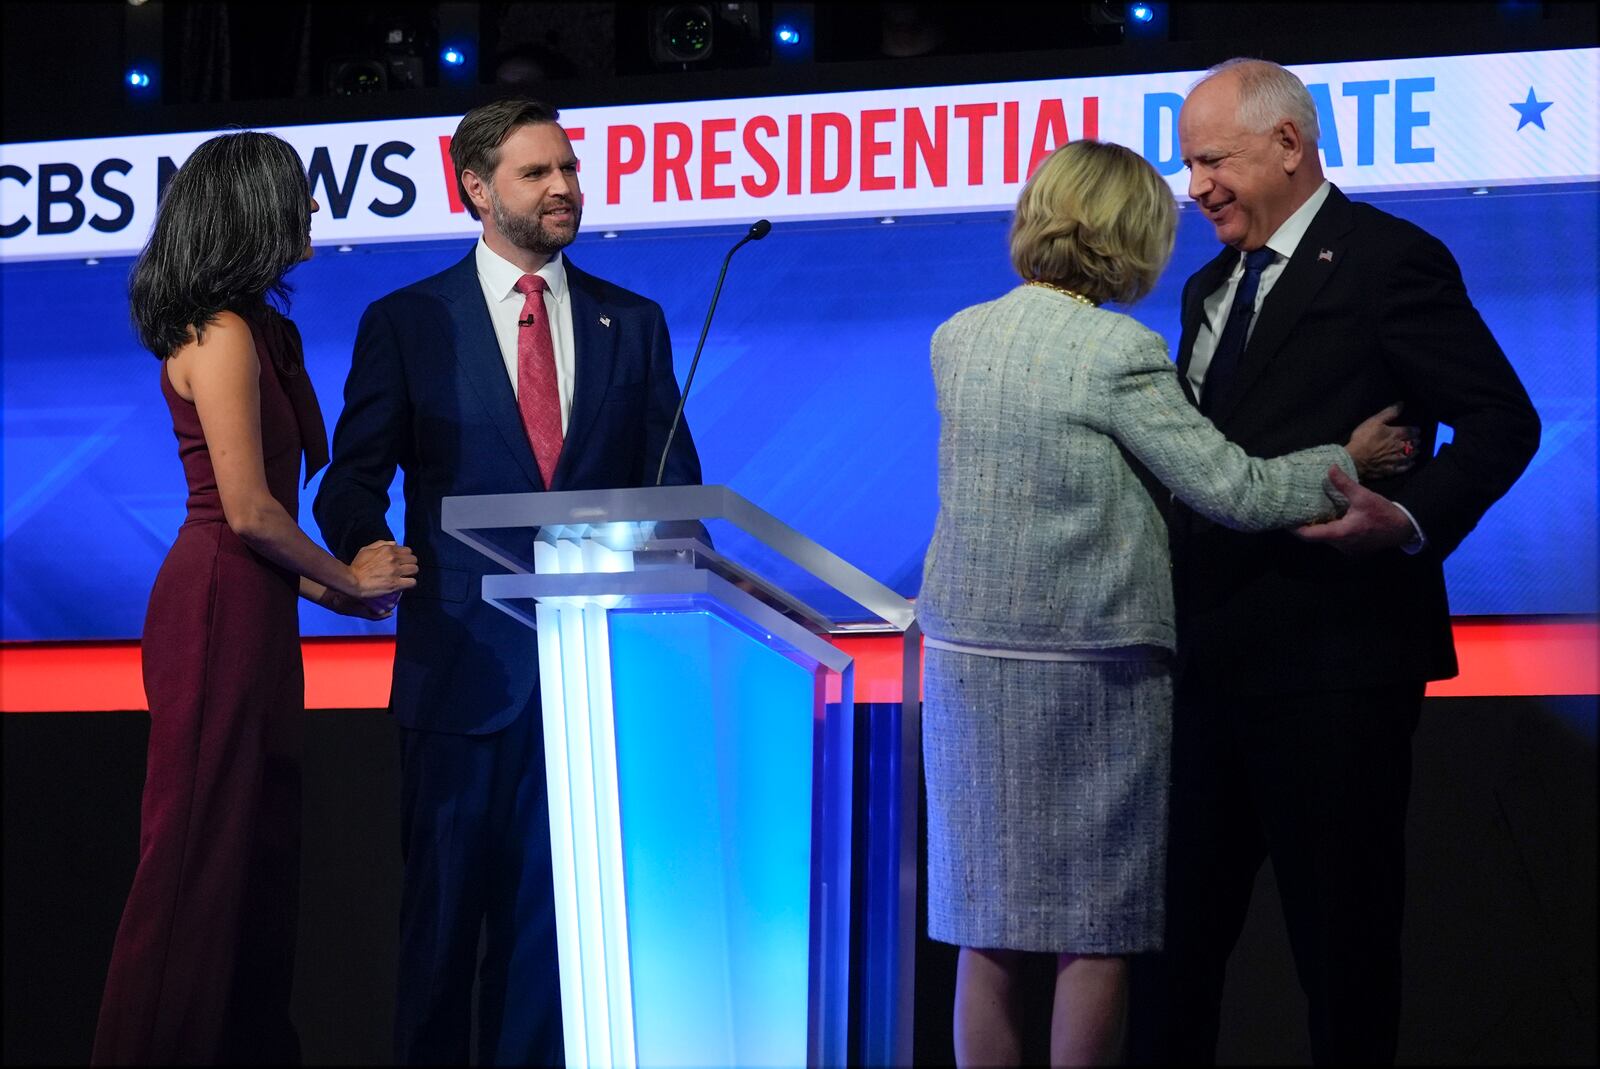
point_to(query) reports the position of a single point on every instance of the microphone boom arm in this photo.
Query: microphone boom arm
(758, 231)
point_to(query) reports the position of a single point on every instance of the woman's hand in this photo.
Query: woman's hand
(380, 569)
(379, 608)
(1381, 449)
(345, 605)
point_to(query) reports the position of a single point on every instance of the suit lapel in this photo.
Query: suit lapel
(594, 340)
(478, 352)
(1201, 285)
(1320, 251)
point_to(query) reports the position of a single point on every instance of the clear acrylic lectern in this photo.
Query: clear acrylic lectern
(699, 776)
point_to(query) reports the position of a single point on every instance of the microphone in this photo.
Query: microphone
(758, 230)
(528, 322)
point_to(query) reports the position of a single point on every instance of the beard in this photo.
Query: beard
(529, 231)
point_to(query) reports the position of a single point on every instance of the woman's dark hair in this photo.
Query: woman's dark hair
(231, 223)
(476, 144)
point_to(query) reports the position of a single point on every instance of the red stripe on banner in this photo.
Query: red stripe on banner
(1528, 655)
(451, 190)
(1499, 656)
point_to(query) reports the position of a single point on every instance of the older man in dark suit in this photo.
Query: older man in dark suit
(511, 372)
(1304, 660)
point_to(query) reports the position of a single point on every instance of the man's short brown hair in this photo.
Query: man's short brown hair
(476, 144)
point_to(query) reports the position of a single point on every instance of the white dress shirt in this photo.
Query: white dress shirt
(498, 277)
(1284, 241)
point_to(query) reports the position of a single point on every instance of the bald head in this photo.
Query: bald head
(1248, 133)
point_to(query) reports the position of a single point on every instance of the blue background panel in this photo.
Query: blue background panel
(813, 398)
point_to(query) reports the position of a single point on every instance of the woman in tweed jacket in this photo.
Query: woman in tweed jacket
(1047, 603)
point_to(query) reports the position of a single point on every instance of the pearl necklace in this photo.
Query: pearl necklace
(1080, 298)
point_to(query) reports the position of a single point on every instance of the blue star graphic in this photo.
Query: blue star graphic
(1532, 110)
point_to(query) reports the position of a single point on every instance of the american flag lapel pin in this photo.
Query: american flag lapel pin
(1325, 256)
(605, 321)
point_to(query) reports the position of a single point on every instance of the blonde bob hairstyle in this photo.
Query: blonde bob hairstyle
(1097, 219)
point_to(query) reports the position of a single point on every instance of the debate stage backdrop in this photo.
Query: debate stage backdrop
(813, 397)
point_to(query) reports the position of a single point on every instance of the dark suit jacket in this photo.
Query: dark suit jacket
(428, 392)
(1370, 310)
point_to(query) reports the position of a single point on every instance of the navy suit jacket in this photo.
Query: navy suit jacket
(428, 393)
(1371, 309)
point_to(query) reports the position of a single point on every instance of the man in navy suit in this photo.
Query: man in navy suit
(511, 372)
(1303, 660)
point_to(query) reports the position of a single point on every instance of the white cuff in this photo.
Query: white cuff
(1418, 539)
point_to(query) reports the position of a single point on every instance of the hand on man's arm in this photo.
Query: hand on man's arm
(1371, 523)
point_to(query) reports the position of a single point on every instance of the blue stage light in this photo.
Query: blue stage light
(453, 56)
(1141, 12)
(138, 79)
(787, 35)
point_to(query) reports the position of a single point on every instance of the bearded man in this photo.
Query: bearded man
(510, 372)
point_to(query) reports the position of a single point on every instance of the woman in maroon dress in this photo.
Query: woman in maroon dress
(204, 956)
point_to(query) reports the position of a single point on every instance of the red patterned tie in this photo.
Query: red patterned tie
(538, 396)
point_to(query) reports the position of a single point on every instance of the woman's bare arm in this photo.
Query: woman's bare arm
(220, 374)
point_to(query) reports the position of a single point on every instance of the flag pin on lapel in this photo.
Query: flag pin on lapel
(605, 321)
(1325, 256)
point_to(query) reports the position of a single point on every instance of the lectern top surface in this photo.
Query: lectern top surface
(616, 530)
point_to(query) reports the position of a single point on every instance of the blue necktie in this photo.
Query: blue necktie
(1230, 347)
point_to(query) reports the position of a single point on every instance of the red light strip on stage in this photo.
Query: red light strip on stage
(1499, 656)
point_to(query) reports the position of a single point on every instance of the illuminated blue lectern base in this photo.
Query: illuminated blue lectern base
(714, 765)
(699, 785)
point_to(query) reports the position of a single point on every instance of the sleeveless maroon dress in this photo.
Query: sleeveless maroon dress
(204, 956)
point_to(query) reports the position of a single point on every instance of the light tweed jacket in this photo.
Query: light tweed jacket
(1046, 538)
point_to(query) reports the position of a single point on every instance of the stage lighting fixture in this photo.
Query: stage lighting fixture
(721, 35)
(138, 79)
(907, 30)
(1108, 22)
(393, 59)
(1146, 21)
(354, 76)
(402, 57)
(453, 56)
(787, 35)
(1105, 13)
(684, 34)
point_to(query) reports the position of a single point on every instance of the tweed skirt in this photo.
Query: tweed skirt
(1047, 802)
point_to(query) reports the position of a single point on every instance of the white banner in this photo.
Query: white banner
(1511, 119)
